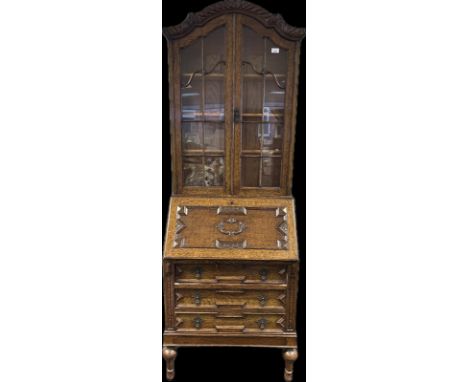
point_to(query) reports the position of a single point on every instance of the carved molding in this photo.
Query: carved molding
(281, 322)
(231, 210)
(282, 298)
(283, 227)
(268, 19)
(179, 240)
(231, 244)
(179, 322)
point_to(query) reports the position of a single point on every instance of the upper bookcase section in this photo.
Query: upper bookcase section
(233, 77)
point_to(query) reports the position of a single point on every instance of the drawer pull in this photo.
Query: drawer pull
(262, 323)
(263, 274)
(197, 298)
(239, 279)
(198, 272)
(197, 323)
(230, 291)
(262, 300)
(240, 316)
(230, 328)
(238, 305)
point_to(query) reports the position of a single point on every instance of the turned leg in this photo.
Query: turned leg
(169, 354)
(289, 355)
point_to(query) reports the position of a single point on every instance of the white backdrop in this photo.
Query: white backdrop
(80, 191)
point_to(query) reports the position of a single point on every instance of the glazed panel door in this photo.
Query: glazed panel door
(203, 121)
(262, 125)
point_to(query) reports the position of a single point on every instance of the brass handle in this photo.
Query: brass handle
(198, 272)
(236, 115)
(197, 322)
(262, 323)
(262, 300)
(263, 274)
(197, 298)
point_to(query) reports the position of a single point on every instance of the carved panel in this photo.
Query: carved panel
(268, 19)
(254, 227)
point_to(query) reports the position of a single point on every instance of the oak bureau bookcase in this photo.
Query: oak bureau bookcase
(230, 263)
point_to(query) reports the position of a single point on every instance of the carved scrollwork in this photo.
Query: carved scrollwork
(266, 73)
(268, 19)
(206, 73)
(222, 227)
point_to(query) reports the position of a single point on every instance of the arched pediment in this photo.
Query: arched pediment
(269, 20)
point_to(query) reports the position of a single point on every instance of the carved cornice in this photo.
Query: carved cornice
(268, 19)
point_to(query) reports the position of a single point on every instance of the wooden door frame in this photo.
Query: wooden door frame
(176, 122)
(289, 110)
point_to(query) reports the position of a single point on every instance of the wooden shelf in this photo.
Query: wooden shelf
(222, 75)
(203, 121)
(259, 153)
(206, 152)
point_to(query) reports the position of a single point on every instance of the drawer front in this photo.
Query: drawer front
(230, 323)
(230, 298)
(231, 273)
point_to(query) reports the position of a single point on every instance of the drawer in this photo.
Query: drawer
(230, 323)
(235, 298)
(231, 273)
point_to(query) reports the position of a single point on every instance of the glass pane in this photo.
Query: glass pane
(214, 171)
(215, 51)
(203, 68)
(192, 100)
(264, 69)
(271, 172)
(214, 136)
(251, 136)
(191, 81)
(214, 98)
(272, 138)
(276, 60)
(252, 93)
(194, 172)
(253, 48)
(250, 171)
(274, 100)
(214, 69)
(192, 136)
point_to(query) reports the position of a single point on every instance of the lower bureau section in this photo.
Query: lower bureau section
(230, 322)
